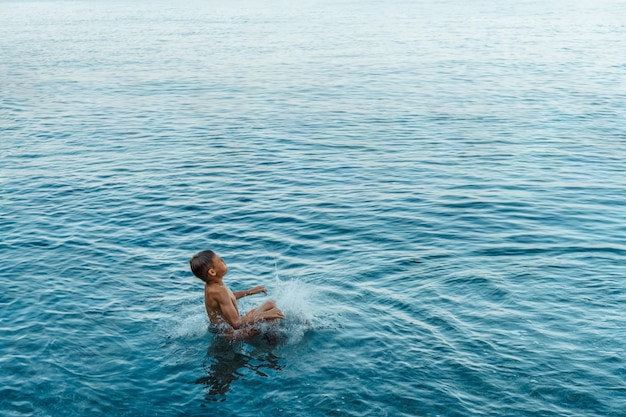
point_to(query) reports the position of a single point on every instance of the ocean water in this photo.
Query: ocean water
(433, 191)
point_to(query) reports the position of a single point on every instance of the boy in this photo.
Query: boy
(221, 302)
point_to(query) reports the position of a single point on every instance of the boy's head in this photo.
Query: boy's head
(207, 264)
(201, 262)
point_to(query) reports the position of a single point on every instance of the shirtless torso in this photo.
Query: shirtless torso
(221, 303)
(221, 306)
(212, 296)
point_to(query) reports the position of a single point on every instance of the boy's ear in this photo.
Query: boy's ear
(211, 272)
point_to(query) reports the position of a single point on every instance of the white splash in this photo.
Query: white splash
(190, 322)
(295, 299)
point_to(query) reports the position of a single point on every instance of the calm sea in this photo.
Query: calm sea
(433, 191)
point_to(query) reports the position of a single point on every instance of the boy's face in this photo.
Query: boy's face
(219, 267)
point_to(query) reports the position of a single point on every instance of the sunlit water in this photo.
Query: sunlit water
(434, 193)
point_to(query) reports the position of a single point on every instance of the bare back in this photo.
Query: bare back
(218, 298)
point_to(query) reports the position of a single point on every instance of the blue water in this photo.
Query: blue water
(434, 193)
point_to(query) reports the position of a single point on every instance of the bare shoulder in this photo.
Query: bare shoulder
(216, 292)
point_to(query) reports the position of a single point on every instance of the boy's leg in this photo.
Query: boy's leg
(268, 305)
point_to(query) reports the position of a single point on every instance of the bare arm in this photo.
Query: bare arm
(251, 291)
(231, 315)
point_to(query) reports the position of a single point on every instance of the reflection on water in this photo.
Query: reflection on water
(227, 361)
(326, 143)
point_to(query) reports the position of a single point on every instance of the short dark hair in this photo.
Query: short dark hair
(201, 262)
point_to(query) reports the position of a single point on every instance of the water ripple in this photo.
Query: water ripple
(433, 193)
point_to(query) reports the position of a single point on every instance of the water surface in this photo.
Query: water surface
(434, 192)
